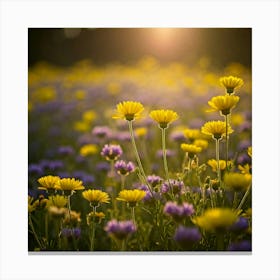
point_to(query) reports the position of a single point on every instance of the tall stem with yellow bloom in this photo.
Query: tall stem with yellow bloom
(141, 169)
(93, 229)
(218, 158)
(163, 141)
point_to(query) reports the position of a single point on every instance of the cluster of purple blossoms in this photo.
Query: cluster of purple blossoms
(150, 196)
(71, 232)
(124, 168)
(154, 180)
(120, 229)
(176, 185)
(111, 152)
(187, 236)
(178, 212)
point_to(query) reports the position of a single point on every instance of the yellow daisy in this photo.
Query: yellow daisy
(68, 185)
(96, 216)
(213, 164)
(237, 181)
(59, 201)
(48, 182)
(203, 144)
(223, 103)
(191, 149)
(88, 150)
(192, 134)
(231, 83)
(164, 117)
(216, 219)
(217, 129)
(245, 169)
(95, 197)
(129, 110)
(131, 196)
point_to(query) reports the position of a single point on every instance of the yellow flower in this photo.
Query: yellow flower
(88, 150)
(73, 219)
(223, 103)
(57, 212)
(203, 144)
(69, 185)
(192, 134)
(216, 219)
(89, 116)
(141, 131)
(48, 182)
(217, 129)
(231, 83)
(237, 181)
(250, 151)
(129, 110)
(59, 201)
(191, 149)
(213, 163)
(245, 169)
(82, 126)
(131, 196)
(164, 117)
(97, 216)
(237, 119)
(96, 196)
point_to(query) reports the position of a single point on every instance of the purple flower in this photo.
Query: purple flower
(102, 166)
(187, 236)
(122, 136)
(154, 180)
(169, 153)
(65, 150)
(51, 164)
(149, 197)
(124, 168)
(120, 229)
(102, 132)
(178, 212)
(241, 224)
(111, 152)
(176, 186)
(244, 245)
(35, 169)
(177, 136)
(71, 232)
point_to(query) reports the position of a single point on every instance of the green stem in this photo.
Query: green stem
(235, 197)
(163, 141)
(227, 140)
(93, 230)
(133, 215)
(142, 172)
(33, 231)
(244, 198)
(69, 208)
(218, 158)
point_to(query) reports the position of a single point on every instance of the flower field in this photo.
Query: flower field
(139, 157)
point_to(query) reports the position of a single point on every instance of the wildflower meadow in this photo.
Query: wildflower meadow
(140, 156)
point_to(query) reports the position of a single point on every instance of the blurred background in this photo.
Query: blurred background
(65, 46)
